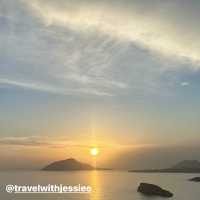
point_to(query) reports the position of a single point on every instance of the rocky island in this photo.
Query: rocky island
(67, 165)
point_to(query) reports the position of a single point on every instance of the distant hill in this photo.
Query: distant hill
(67, 165)
(186, 166)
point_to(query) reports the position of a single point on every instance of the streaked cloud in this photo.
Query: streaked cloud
(56, 142)
(51, 89)
(83, 79)
(100, 48)
(22, 141)
(34, 86)
(163, 27)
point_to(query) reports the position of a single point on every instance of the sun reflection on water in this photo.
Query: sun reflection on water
(95, 184)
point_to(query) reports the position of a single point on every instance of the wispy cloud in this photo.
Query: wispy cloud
(34, 86)
(51, 89)
(36, 141)
(48, 142)
(158, 28)
(98, 81)
(53, 59)
(101, 48)
(23, 141)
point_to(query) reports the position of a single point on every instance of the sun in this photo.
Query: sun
(94, 151)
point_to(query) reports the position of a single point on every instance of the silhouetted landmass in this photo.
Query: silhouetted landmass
(153, 190)
(70, 165)
(103, 169)
(67, 165)
(186, 166)
(195, 179)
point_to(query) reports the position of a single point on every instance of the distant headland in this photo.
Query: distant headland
(186, 166)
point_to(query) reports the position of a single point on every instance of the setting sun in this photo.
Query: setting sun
(94, 151)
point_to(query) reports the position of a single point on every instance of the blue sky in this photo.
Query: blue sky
(129, 68)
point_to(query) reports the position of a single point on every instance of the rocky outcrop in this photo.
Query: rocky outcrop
(153, 190)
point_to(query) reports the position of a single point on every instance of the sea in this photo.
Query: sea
(106, 185)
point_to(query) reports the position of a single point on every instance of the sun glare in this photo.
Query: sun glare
(94, 151)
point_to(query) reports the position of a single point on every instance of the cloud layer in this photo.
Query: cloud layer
(101, 48)
(168, 27)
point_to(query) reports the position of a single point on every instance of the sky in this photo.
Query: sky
(122, 75)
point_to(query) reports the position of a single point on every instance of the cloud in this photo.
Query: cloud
(99, 81)
(185, 84)
(34, 86)
(161, 27)
(58, 142)
(36, 141)
(99, 48)
(51, 89)
(53, 59)
(22, 141)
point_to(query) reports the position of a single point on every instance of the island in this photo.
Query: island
(70, 164)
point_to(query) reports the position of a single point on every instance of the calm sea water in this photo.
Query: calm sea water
(107, 185)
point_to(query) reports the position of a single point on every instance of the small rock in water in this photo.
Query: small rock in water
(153, 190)
(195, 179)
